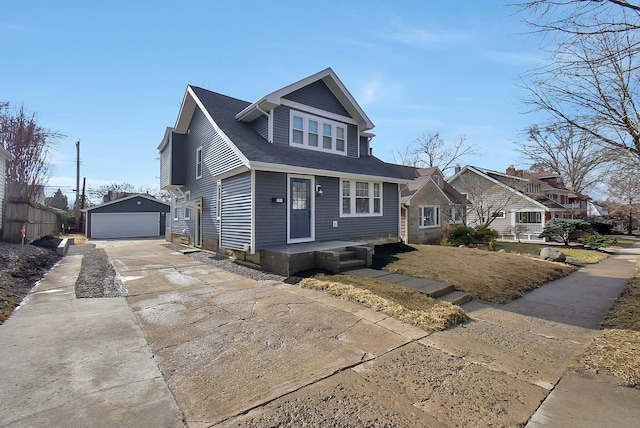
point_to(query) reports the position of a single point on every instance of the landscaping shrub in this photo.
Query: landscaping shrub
(485, 234)
(462, 235)
(599, 241)
(564, 229)
(602, 228)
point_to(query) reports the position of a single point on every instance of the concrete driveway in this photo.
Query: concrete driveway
(236, 352)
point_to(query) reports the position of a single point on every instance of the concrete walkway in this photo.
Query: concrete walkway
(196, 345)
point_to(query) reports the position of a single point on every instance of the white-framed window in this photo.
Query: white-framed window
(187, 210)
(360, 198)
(429, 216)
(199, 163)
(219, 200)
(529, 217)
(178, 207)
(499, 214)
(317, 133)
(455, 215)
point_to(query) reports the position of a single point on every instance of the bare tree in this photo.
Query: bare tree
(433, 151)
(489, 199)
(29, 145)
(121, 190)
(591, 80)
(573, 154)
(624, 195)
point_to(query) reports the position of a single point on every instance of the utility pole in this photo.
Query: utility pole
(84, 184)
(77, 205)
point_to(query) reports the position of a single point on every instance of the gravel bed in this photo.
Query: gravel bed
(97, 277)
(228, 264)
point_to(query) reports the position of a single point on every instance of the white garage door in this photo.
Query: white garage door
(125, 225)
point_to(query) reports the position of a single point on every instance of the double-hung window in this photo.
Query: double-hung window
(429, 216)
(187, 210)
(317, 133)
(360, 198)
(199, 163)
(455, 215)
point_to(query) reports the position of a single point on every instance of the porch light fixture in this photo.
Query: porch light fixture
(318, 190)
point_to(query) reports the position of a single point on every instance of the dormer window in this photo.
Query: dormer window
(316, 133)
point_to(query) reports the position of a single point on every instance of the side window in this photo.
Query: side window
(199, 163)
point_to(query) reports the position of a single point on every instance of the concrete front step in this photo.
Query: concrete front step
(455, 297)
(346, 255)
(346, 265)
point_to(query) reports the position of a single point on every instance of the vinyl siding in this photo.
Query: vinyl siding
(236, 212)
(165, 166)
(261, 125)
(327, 211)
(318, 95)
(270, 217)
(217, 157)
(281, 130)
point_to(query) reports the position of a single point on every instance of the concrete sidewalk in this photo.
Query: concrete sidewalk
(196, 345)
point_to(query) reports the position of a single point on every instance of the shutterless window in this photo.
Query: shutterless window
(456, 215)
(429, 216)
(318, 133)
(361, 198)
(219, 200)
(199, 162)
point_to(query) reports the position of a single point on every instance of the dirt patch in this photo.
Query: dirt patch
(20, 268)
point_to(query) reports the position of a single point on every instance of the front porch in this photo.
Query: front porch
(334, 256)
(523, 232)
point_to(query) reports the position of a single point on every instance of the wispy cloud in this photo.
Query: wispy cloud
(375, 88)
(427, 38)
(514, 58)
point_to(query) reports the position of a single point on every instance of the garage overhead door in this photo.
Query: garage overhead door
(125, 225)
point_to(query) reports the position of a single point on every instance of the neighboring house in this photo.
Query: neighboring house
(430, 207)
(518, 204)
(134, 216)
(597, 213)
(293, 167)
(4, 158)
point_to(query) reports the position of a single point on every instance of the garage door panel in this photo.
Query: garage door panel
(125, 225)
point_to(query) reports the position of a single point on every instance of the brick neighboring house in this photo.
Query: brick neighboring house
(520, 203)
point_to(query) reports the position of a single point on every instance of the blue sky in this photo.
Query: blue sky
(113, 74)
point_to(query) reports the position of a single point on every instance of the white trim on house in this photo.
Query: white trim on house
(199, 163)
(318, 112)
(289, 169)
(372, 186)
(312, 230)
(306, 132)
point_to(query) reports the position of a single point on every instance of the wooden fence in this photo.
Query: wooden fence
(38, 221)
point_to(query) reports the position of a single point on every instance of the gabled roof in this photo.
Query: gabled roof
(329, 77)
(502, 179)
(258, 154)
(126, 198)
(422, 177)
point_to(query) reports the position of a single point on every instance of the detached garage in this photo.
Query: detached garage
(134, 216)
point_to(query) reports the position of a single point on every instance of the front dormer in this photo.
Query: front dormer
(317, 113)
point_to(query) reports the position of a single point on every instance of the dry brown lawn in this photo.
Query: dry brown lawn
(489, 276)
(616, 350)
(405, 304)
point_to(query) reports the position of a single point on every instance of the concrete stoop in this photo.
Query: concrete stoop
(435, 289)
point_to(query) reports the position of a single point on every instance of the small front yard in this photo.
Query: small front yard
(496, 277)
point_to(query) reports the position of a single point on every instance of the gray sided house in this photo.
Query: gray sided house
(293, 167)
(430, 207)
(134, 216)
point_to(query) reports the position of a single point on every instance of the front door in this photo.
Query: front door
(299, 209)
